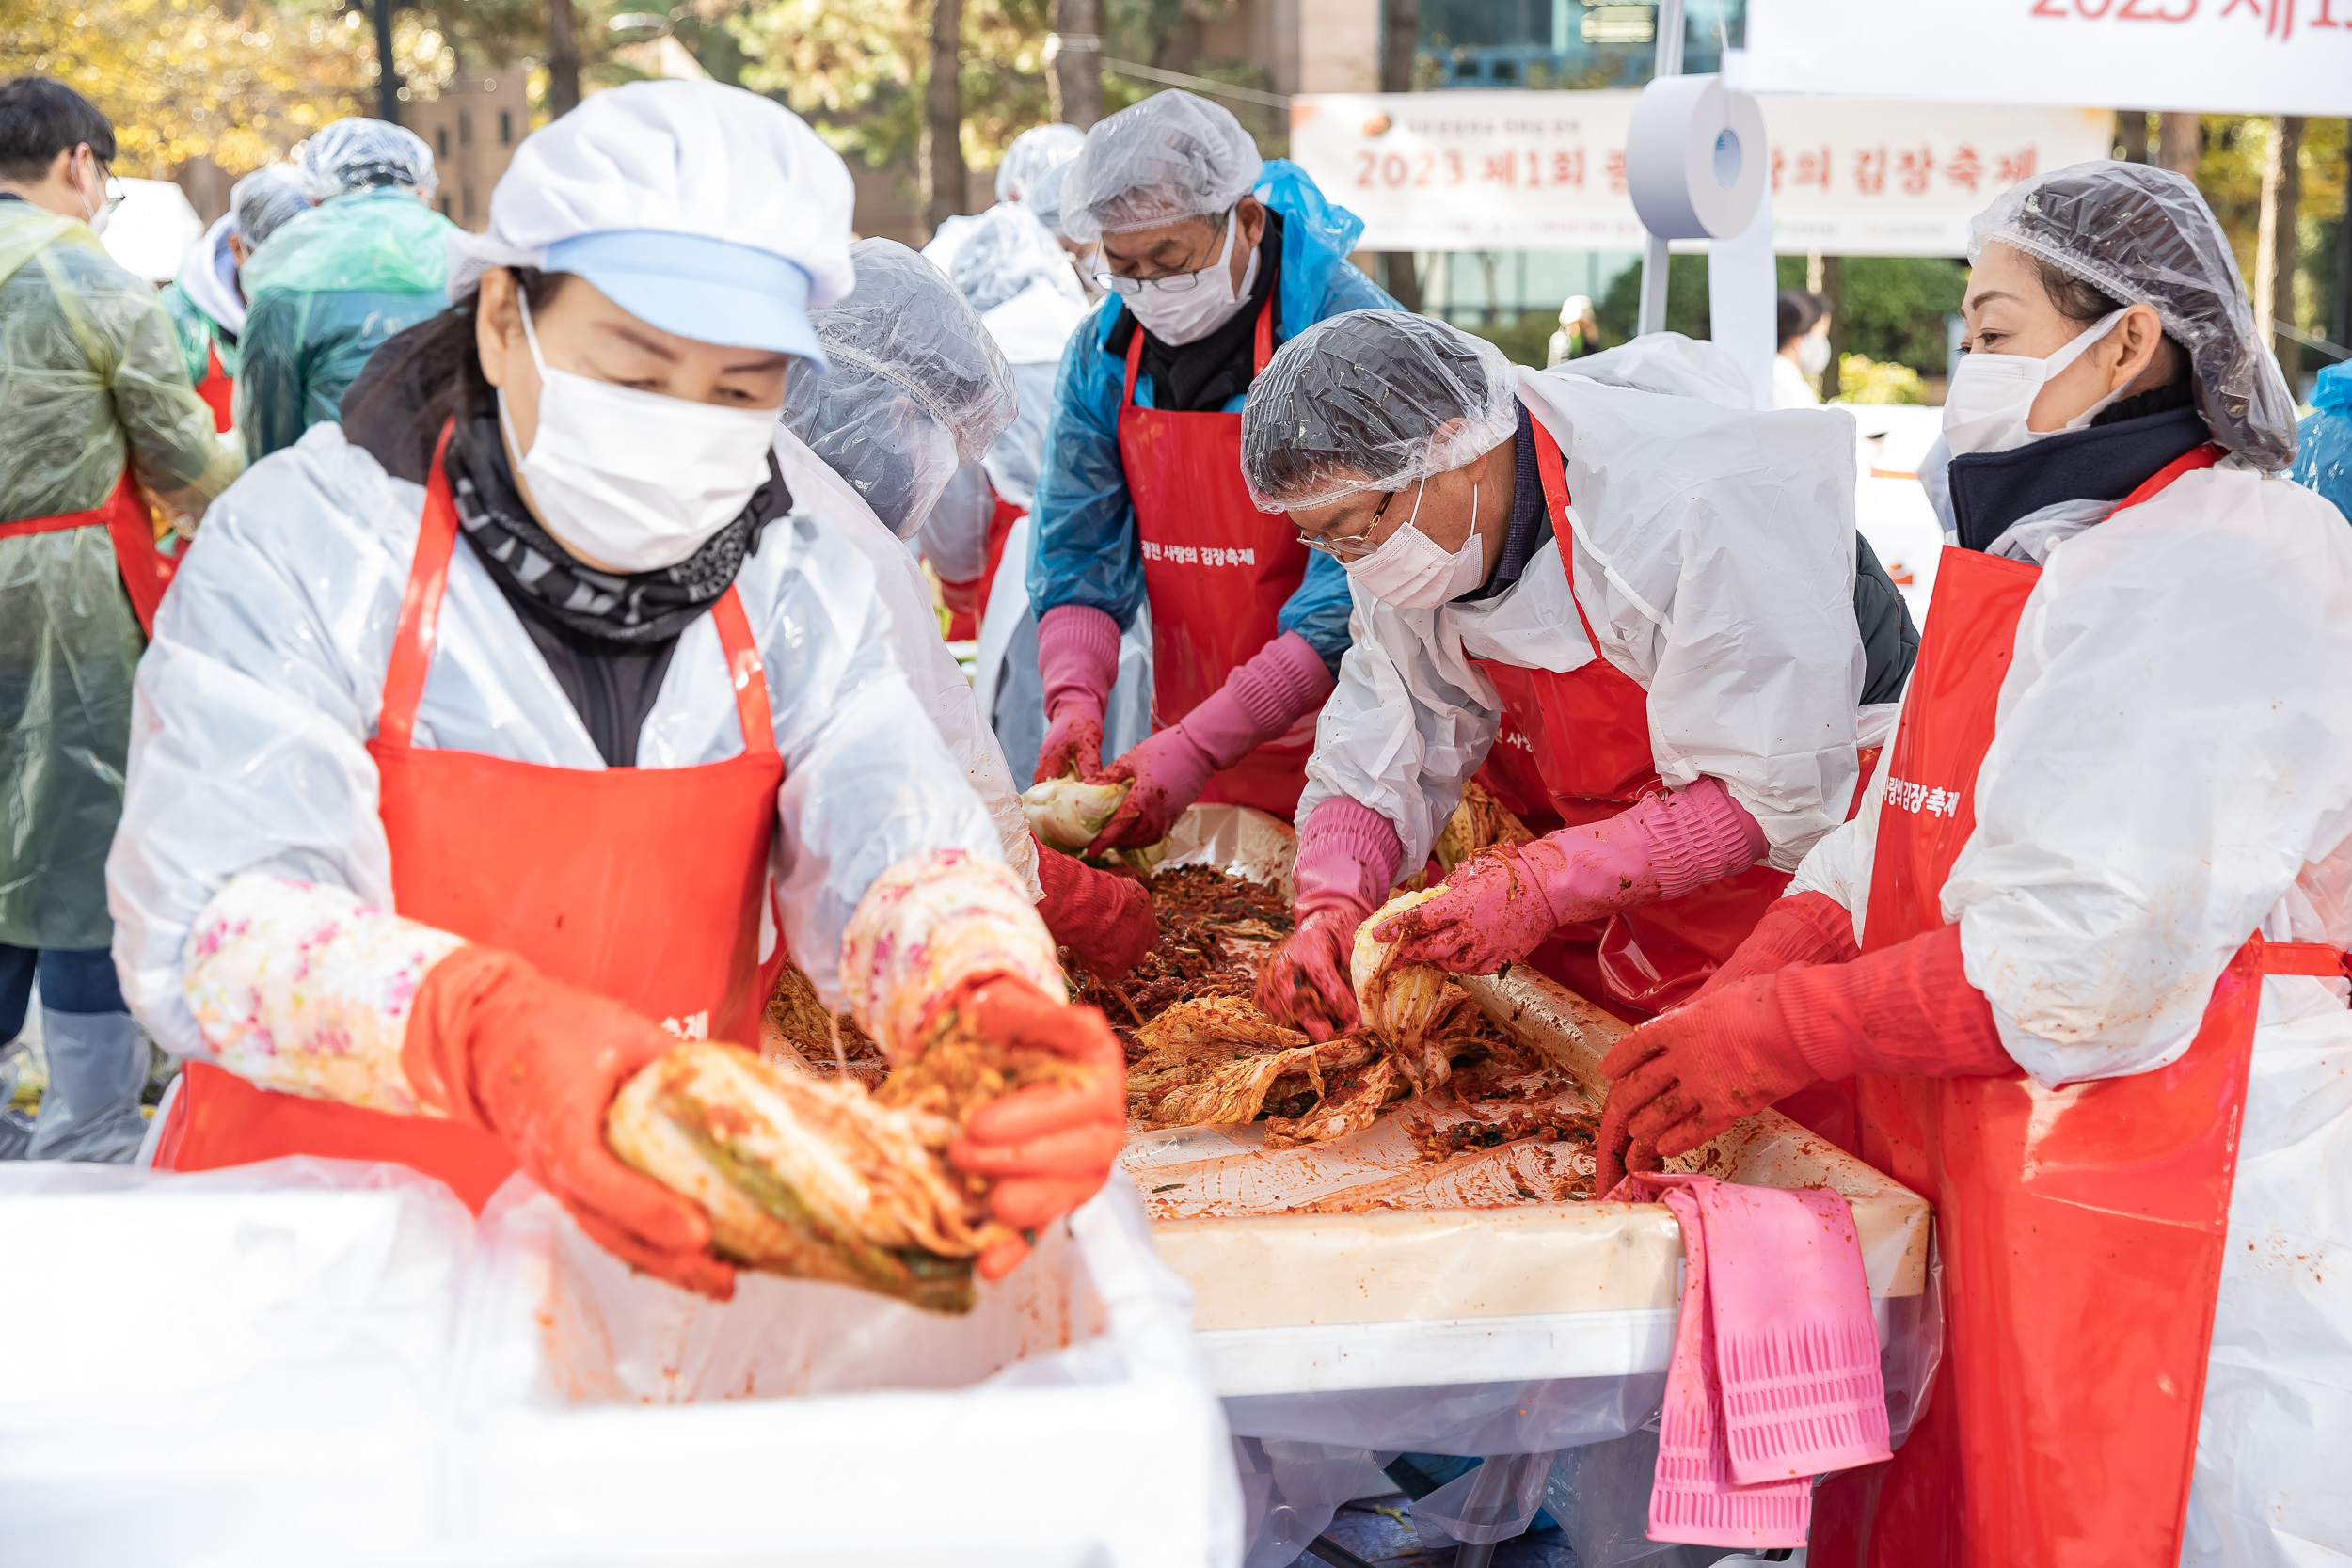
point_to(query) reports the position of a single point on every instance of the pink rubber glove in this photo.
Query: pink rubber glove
(1077, 653)
(1801, 929)
(1498, 905)
(1905, 1011)
(1347, 860)
(1259, 701)
(1105, 919)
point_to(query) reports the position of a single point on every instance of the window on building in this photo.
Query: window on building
(445, 205)
(506, 128)
(469, 202)
(1564, 43)
(464, 129)
(440, 140)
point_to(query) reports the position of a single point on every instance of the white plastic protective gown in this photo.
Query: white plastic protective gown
(2171, 769)
(254, 703)
(1715, 558)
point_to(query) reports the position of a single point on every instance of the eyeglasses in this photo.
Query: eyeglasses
(1350, 546)
(1175, 282)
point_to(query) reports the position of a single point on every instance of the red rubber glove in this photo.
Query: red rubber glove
(1107, 920)
(1049, 1147)
(1078, 655)
(1500, 904)
(1305, 982)
(1801, 929)
(494, 1042)
(1261, 698)
(1905, 1011)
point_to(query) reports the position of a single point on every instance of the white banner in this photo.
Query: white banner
(1546, 171)
(2217, 57)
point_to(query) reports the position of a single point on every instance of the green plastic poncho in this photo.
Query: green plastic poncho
(89, 371)
(323, 291)
(198, 335)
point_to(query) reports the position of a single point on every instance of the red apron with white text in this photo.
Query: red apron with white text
(1575, 747)
(2081, 1230)
(1000, 522)
(1218, 571)
(146, 570)
(217, 391)
(643, 884)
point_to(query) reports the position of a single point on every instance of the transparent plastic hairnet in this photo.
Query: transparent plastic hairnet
(354, 155)
(1044, 199)
(1371, 400)
(917, 385)
(2143, 235)
(1173, 156)
(264, 200)
(1005, 252)
(1032, 152)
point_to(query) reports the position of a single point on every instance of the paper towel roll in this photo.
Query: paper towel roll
(1695, 158)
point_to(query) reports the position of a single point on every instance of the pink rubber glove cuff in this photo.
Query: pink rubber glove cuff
(1077, 653)
(1697, 835)
(1347, 859)
(1905, 1011)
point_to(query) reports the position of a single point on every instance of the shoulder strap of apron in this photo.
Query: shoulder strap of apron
(1549, 465)
(1261, 350)
(2197, 457)
(421, 612)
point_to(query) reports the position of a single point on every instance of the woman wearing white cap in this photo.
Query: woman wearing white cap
(613, 757)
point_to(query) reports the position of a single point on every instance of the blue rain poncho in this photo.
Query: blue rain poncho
(323, 293)
(91, 375)
(1088, 551)
(2322, 456)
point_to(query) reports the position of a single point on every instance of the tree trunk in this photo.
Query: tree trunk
(946, 189)
(2177, 142)
(2275, 247)
(1399, 35)
(2131, 132)
(386, 65)
(1833, 291)
(562, 59)
(1075, 55)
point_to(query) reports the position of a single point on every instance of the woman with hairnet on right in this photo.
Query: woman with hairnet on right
(2081, 951)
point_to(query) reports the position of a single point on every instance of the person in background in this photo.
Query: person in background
(1665, 683)
(1804, 350)
(1032, 152)
(1213, 259)
(2323, 458)
(96, 406)
(1579, 334)
(206, 302)
(322, 293)
(516, 711)
(917, 385)
(2078, 961)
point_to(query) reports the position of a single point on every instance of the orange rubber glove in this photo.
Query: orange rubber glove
(1801, 929)
(1107, 920)
(494, 1042)
(1049, 1147)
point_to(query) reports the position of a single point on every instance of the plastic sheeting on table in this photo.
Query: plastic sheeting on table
(319, 1362)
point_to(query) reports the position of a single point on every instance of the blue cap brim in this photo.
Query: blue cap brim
(713, 291)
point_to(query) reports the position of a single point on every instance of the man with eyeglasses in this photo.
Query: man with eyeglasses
(99, 415)
(1632, 615)
(1213, 259)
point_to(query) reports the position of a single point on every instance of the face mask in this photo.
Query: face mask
(635, 480)
(1203, 302)
(97, 218)
(1992, 394)
(1812, 354)
(1412, 571)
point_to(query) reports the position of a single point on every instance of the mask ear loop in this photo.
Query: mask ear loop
(531, 340)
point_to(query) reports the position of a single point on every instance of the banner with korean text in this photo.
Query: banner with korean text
(1546, 171)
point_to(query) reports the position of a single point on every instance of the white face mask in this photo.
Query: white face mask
(1812, 354)
(1200, 302)
(1412, 571)
(103, 213)
(636, 480)
(1991, 395)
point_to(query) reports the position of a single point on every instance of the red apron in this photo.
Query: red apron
(999, 532)
(639, 883)
(217, 391)
(1574, 749)
(2081, 1230)
(146, 570)
(1218, 571)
